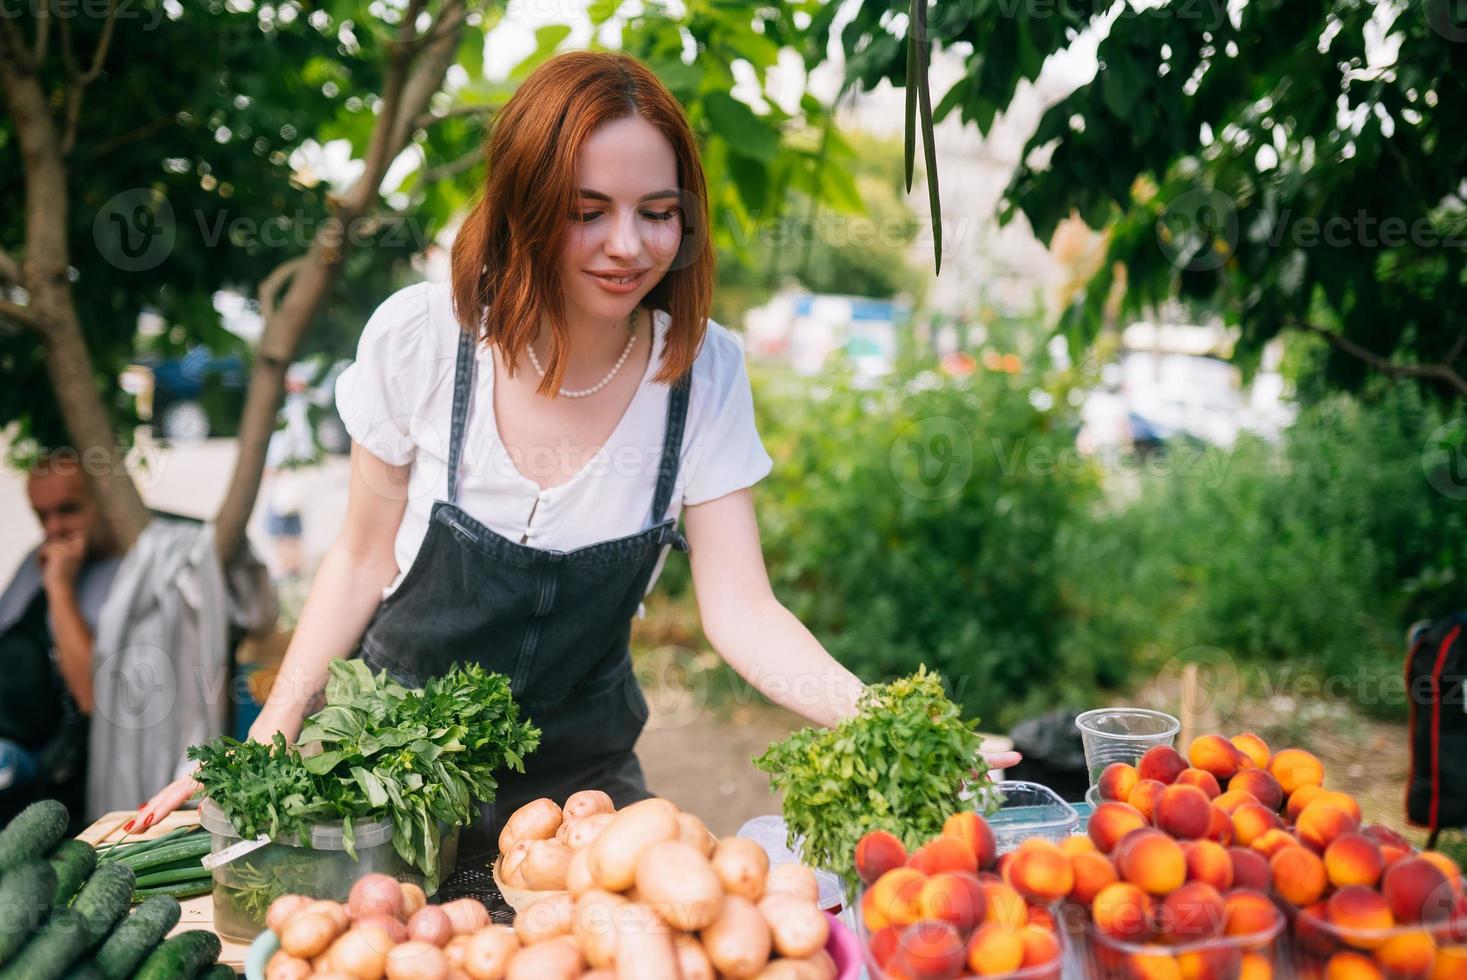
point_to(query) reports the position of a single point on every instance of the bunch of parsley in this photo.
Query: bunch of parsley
(899, 765)
(417, 757)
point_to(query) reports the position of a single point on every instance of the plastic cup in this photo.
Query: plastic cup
(1113, 735)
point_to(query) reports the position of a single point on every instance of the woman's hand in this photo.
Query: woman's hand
(1002, 760)
(164, 802)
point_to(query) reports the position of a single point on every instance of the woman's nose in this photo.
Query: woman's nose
(624, 237)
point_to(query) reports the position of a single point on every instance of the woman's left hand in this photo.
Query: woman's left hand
(1002, 760)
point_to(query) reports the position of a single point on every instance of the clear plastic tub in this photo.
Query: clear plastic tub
(1317, 942)
(1102, 957)
(245, 887)
(1030, 810)
(1112, 735)
(771, 833)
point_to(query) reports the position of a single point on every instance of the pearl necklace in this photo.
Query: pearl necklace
(631, 339)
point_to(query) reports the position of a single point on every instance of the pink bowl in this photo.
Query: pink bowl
(843, 950)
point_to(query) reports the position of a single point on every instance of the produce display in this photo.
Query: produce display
(418, 759)
(168, 865)
(641, 893)
(900, 765)
(65, 907)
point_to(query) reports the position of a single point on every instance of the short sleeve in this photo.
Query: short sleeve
(375, 396)
(724, 452)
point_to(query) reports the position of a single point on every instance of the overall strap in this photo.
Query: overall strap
(463, 386)
(672, 445)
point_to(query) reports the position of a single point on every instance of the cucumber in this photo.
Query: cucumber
(73, 861)
(188, 889)
(25, 898)
(193, 847)
(135, 937)
(83, 970)
(219, 972)
(183, 957)
(35, 830)
(70, 933)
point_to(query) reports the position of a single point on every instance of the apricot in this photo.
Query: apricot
(1393, 847)
(929, 951)
(1322, 821)
(1407, 956)
(1161, 763)
(1110, 822)
(1298, 875)
(1041, 946)
(1261, 785)
(994, 950)
(1295, 767)
(1116, 781)
(955, 897)
(1215, 754)
(1157, 965)
(1210, 863)
(1145, 795)
(1414, 888)
(1077, 844)
(1254, 748)
(877, 853)
(1003, 906)
(1202, 779)
(1351, 966)
(1250, 869)
(1299, 799)
(1255, 966)
(1122, 911)
(1358, 911)
(1247, 912)
(883, 944)
(1353, 859)
(1041, 873)
(892, 901)
(1448, 867)
(1092, 871)
(1220, 827)
(1343, 801)
(1312, 932)
(1153, 862)
(1251, 820)
(1231, 799)
(973, 830)
(1210, 963)
(1192, 913)
(1184, 811)
(943, 854)
(1273, 841)
(1450, 963)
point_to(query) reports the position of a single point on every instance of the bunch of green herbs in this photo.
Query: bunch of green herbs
(903, 764)
(420, 758)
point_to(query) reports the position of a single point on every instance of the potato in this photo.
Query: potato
(375, 894)
(308, 934)
(586, 803)
(430, 924)
(396, 929)
(792, 879)
(644, 951)
(691, 830)
(546, 919)
(413, 898)
(417, 961)
(596, 926)
(536, 820)
(546, 961)
(615, 852)
(283, 966)
(738, 943)
(692, 960)
(457, 948)
(606, 974)
(282, 909)
(489, 951)
(796, 926)
(509, 862)
(823, 964)
(741, 865)
(361, 952)
(545, 865)
(584, 832)
(334, 910)
(788, 970)
(679, 885)
(578, 879)
(468, 915)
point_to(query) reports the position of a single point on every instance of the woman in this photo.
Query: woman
(516, 482)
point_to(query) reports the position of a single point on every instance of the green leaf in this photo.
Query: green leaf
(745, 133)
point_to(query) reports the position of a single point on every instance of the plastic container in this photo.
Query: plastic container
(1122, 735)
(1316, 941)
(771, 833)
(1102, 957)
(1030, 810)
(245, 887)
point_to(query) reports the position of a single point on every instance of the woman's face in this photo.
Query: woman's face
(625, 223)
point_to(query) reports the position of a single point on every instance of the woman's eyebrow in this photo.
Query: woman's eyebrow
(598, 196)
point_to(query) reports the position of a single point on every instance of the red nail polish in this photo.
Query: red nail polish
(147, 822)
(127, 827)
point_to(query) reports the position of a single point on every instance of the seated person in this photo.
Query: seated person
(48, 616)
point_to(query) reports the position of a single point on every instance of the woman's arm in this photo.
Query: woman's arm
(749, 627)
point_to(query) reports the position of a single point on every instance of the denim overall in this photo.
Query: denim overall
(556, 623)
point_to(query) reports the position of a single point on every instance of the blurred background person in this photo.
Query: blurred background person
(292, 447)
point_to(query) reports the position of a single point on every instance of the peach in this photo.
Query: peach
(1351, 966)
(1450, 964)
(1250, 869)
(955, 897)
(994, 950)
(1215, 754)
(1184, 811)
(1209, 862)
(1077, 844)
(943, 854)
(1407, 956)
(893, 899)
(1448, 867)
(973, 830)
(1192, 913)
(1247, 912)
(1261, 785)
(1110, 822)
(1117, 781)
(1145, 795)
(1393, 847)
(1353, 859)
(1255, 748)
(1295, 767)
(1041, 873)
(1214, 963)
(1220, 827)
(1343, 801)
(1298, 875)
(1153, 862)
(1312, 932)
(1251, 820)
(1255, 966)
(1041, 946)
(1040, 915)
(1003, 906)
(1272, 841)
(1202, 779)
(1092, 871)
(1358, 911)
(1324, 820)
(930, 951)
(1299, 799)
(1157, 965)
(1122, 911)
(884, 945)
(1231, 799)
(877, 853)
(1414, 888)
(1162, 763)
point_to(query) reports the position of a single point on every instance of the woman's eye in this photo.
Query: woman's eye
(660, 215)
(586, 215)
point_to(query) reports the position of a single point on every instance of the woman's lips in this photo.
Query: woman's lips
(619, 285)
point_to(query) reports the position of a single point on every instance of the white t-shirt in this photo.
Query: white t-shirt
(396, 401)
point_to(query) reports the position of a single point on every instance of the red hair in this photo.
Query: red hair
(504, 268)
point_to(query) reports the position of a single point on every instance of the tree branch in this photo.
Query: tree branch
(9, 268)
(270, 286)
(79, 84)
(453, 167)
(21, 315)
(428, 119)
(14, 48)
(1436, 372)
